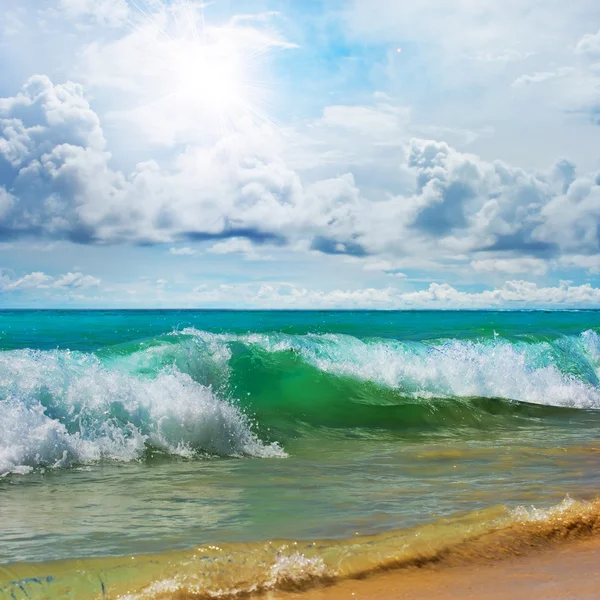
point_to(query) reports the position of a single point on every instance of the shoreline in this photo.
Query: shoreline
(451, 555)
(564, 571)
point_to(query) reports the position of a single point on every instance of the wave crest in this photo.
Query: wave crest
(173, 393)
(61, 408)
(562, 372)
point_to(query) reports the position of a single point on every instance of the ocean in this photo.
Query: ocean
(203, 454)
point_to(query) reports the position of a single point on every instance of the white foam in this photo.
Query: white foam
(531, 514)
(289, 570)
(495, 368)
(591, 344)
(296, 569)
(62, 407)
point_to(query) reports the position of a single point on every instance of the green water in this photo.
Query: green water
(132, 432)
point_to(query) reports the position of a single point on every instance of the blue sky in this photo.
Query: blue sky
(359, 154)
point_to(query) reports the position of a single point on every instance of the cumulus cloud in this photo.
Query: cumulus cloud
(443, 296)
(52, 159)
(6, 201)
(57, 181)
(513, 292)
(572, 220)
(464, 204)
(54, 164)
(285, 295)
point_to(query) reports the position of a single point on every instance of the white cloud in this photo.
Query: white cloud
(39, 280)
(590, 263)
(76, 280)
(512, 293)
(572, 84)
(511, 266)
(458, 63)
(36, 280)
(185, 251)
(232, 246)
(59, 183)
(589, 45)
(237, 246)
(284, 295)
(389, 267)
(7, 201)
(572, 220)
(60, 175)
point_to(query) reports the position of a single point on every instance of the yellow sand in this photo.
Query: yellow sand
(566, 571)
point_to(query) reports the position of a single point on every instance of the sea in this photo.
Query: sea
(221, 454)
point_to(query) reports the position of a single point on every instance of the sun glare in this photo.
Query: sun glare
(207, 71)
(208, 75)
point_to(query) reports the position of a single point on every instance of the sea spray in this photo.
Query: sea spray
(61, 408)
(563, 372)
(193, 392)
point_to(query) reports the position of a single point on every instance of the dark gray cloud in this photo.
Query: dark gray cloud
(447, 214)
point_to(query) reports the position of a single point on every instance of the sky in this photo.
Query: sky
(383, 154)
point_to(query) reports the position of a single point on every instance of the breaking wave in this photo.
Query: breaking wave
(61, 408)
(194, 393)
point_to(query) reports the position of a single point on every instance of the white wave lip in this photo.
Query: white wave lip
(59, 408)
(498, 368)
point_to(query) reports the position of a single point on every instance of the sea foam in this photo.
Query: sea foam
(561, 372)
(59, 408)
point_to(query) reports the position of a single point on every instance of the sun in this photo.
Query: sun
(210, 73)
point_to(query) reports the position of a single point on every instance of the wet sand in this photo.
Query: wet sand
(565, 571)
(550, 554)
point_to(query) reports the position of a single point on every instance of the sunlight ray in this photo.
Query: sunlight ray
(205, 69)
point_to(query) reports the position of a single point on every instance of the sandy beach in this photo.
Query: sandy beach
(568, 571)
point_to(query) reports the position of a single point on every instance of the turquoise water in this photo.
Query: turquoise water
(133, 432)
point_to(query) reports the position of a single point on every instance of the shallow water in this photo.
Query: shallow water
(128, 433)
